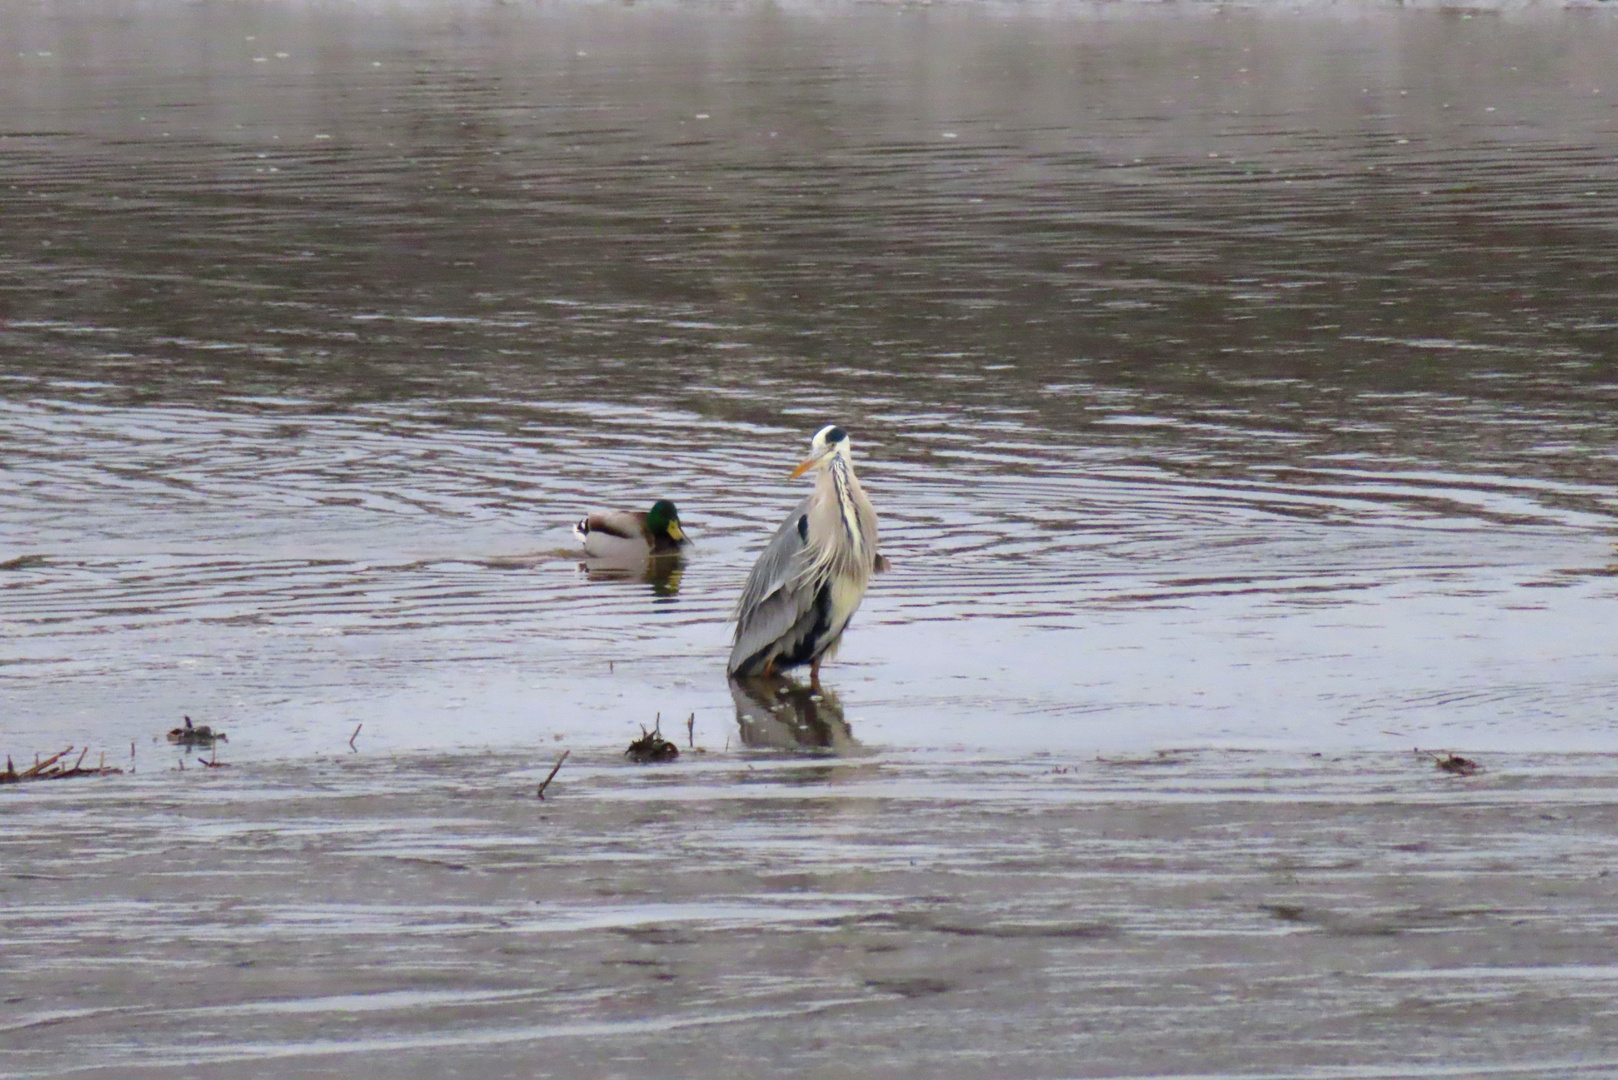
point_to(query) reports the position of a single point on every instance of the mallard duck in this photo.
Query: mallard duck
(625, 534)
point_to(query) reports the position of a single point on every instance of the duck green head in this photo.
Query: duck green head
(663, 520)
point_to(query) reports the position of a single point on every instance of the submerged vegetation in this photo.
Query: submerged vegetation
(651, 747)
(195, 735)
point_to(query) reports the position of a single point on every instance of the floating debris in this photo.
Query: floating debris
(1454, 764)
(651, 746)
(1457, 765)
(1163, 757)
(196, 735)
(53, 768)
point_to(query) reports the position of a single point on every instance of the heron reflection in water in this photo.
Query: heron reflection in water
(779, 713)
(811, 576)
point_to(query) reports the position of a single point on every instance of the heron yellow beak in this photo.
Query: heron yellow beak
(675, 532)
(803, 467)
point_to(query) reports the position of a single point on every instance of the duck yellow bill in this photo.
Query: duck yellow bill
(803, 467)
(675, 531)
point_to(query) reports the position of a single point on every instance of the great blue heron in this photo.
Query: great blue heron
(626, 535)
(812, 575)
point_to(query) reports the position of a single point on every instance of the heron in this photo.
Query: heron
(810, 578)
(628, 535)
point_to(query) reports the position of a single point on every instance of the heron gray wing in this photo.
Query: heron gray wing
(774, 599)
(778, 563)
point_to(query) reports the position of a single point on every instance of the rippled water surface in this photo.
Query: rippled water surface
(1223, 915)
(1231, 377)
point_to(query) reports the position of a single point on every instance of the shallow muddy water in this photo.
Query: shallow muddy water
(1214, 914)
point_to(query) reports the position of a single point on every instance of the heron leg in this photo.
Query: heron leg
(814, 675)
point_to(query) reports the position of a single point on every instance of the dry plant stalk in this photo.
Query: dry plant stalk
(53, 768)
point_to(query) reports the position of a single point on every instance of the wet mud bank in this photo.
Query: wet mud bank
(894, 915)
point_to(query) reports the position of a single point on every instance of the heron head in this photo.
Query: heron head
(663, 520)
(829, 442)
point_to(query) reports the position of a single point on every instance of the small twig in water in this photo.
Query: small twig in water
(552, 776)
(354, 736)
(691, 731)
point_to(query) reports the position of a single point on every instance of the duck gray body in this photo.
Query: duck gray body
(811, 577)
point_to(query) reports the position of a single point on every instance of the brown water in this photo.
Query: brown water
(1239, 379)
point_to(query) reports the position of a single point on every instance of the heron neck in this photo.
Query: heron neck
(844, 487)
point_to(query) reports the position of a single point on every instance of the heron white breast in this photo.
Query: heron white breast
(846, 594)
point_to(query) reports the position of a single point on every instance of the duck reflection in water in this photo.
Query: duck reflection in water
(780, 713)
(661, 572)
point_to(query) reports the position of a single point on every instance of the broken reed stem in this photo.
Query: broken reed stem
(552, 776)
(354, 736)
(55, 767)
(47, 763)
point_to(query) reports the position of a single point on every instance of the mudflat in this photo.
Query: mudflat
(749, 913)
